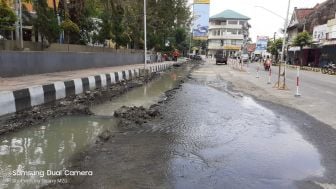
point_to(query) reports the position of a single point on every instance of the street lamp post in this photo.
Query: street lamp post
(145, 32)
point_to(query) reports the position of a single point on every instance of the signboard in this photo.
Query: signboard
(261, 45)
(201, 19)
(201, 1)
(232, 47)
(320, 33)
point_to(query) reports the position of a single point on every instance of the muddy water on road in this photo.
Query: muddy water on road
(146, 95)
(208, 139)
(226, 142)
(45, 147)
(49, 146)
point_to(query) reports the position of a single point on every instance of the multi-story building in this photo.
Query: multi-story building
(298, 22)
(228, 32)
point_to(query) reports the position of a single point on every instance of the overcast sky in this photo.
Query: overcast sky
(262, 22)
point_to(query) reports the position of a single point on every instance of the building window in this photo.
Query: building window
(217, 23)
(233, 22)
(232, 31)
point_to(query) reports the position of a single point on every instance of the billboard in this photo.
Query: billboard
(201, 1)
(201, 19)
(261, 45)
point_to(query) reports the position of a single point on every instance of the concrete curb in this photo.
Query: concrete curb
(306, 68)
(18, 100)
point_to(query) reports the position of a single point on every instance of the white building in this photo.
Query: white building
(228, 32)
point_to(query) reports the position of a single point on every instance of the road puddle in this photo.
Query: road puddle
(226, 142)
(145, 96)
(27, 155)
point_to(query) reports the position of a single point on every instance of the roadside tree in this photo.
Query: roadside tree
(69, 27)
(274, 47)
(302, 39)
(45, 22)
(7, 18)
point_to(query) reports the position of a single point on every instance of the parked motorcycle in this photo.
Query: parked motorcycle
(329, 69)
(332, 69)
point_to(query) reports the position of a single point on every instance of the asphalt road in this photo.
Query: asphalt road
(209, 136)
(318, 91)
(313, 84)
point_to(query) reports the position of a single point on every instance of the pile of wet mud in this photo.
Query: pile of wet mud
(135, 117)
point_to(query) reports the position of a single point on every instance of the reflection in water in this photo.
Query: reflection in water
(145, 96)
(45, 147)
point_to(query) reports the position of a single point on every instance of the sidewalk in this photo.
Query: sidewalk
(16, 83)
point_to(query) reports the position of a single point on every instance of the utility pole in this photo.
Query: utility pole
(284, 45)
(145, 32)
(58, 19)
(274, 36)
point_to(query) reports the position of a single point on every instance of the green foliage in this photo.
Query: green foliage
(302, 39)
(46, 22)
(167, 20)
(118, 28)
(121, 22)
(69, 26)
(273, 47)
(7, 17)
(86, 22)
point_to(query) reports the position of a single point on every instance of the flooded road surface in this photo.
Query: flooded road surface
(146, 95)
(49, 146)
(46, 147)
(209, 137)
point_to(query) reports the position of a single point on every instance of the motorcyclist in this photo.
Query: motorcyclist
(176, 54)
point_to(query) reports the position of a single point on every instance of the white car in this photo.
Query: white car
(245, 57)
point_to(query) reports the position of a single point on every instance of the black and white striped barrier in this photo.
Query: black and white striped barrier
(14, 101)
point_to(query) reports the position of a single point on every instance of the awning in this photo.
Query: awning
(326, 43)
(294, 49)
